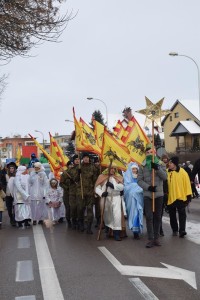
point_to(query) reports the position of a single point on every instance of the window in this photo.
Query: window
(170, 118)
(176, 115)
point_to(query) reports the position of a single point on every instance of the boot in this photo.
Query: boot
(81, 225)
(89, 231)
(69, 223)
(116, 235)
(74, 224)
(136, 236)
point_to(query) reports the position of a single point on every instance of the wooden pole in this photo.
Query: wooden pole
(153, 171)
(104, 202)
(81, 181)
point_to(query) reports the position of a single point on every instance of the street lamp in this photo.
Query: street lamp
(198, 73)
(42, 136)
(90, 98)
(69, 121)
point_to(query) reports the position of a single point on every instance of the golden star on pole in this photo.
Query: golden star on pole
(153, 112)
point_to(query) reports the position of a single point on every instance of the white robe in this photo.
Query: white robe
(21, 198)
(38, 184)
(55, 195)
(113, 204)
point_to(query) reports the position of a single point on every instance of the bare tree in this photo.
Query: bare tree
(3, 84)
(25, 23)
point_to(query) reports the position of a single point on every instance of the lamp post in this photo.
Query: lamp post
(198, 73)
(69, 121)
(42, 136)
(91, 98)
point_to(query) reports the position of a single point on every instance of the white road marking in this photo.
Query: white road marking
(169, 272)
(143, 289)
(31, 297)
(23, 242)
(24, 271)
(192, 228)
(49, 280)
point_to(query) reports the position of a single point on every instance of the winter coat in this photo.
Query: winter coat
(2, 195)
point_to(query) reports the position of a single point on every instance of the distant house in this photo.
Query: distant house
(181, 128)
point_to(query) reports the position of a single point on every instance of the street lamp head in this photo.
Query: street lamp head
(173, 54)
(90, 98)
(36, 130)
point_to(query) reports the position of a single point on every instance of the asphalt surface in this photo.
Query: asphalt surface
(84, 272)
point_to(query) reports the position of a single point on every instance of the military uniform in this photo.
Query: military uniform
(65, 184)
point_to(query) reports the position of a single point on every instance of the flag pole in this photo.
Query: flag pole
(153, 171)
(104, 202)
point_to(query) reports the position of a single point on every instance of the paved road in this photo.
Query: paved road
(58, 263)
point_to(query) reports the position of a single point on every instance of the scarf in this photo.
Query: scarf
(149, 160)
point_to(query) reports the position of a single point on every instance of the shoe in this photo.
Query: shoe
(89, 231)
(136, 236)
(175, 233)
(182, 234)
(150, 244)
(60, 220)
(34, 222)
(161, 232)
(116, 234)
(0, 225)
(13, 223)
(40, 222)
(157, 243)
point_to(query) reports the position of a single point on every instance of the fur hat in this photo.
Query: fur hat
(74, 157)
(174, 160)
(11, 164)
(85, 154)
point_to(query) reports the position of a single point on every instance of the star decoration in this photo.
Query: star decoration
(153, 112)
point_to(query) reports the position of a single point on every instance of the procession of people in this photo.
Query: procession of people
(86, 192)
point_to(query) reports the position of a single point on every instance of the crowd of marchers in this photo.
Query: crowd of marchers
(110, 200)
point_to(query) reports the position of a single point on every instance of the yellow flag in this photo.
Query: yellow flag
(136, 140)
(18, 156)
(112, 150)
(89, 140)
(51, 160)
(57, 153)
(98, 132)
(79, 135)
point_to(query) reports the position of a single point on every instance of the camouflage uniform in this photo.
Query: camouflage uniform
(97, 199)
(65, 183)
(88, 177)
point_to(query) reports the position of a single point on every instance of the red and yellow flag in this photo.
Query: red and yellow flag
(135, 140)
(55, 165)
(119, 129)
(111, 149)
(57, 153)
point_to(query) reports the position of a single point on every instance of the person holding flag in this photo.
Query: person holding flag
(153, 217)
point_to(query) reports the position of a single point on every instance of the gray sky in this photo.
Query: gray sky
(113, 50)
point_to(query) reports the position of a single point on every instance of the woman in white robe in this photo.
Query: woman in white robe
(111, 187)
(38, 185)
(54, 199)
(21, 197)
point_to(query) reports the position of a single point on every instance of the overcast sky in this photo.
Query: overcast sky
(113, 50)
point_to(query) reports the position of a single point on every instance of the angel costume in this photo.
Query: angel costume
(54, 199)
(21, 196)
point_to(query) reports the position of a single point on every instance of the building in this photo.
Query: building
(182, 128)
(62, 140)
(10, 145)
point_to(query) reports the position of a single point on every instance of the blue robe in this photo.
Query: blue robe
(133, 196)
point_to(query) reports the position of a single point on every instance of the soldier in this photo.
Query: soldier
(65, 184)
(73, 187)
(85, 176)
